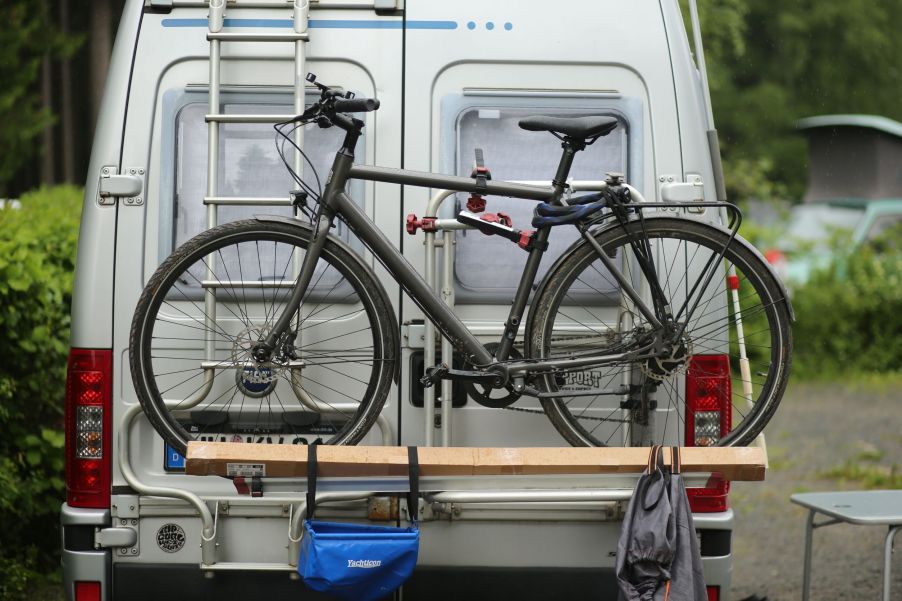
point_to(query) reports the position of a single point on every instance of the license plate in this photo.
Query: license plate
(175, 461)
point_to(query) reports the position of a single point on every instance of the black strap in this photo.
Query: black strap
(311, 480)
(480, 173)
(676, 461)
(413, 474)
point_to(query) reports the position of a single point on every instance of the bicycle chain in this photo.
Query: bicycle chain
(595, 419)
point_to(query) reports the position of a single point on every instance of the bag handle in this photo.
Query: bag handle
(413, 475)
(311, 479)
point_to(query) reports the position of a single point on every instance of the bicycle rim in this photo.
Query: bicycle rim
(216, 297)
(581, 308)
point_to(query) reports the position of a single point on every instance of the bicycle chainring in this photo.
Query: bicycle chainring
(482, 394)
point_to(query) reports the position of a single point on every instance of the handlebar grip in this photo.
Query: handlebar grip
(355, 105)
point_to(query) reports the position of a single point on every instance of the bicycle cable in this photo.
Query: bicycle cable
(314, 194)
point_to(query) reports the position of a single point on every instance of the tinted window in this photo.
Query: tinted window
(492, 264)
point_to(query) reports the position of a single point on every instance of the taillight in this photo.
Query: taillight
(87, 591)
(713, 593)
(708, 419)
(88, 418)
(708, 394)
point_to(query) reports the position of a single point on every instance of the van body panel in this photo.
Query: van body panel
(92, 295)
(443, 73)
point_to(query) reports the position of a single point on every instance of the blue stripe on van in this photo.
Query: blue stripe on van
(316, 23)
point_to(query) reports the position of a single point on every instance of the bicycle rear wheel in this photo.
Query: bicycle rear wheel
(220, 293)
(718, 384)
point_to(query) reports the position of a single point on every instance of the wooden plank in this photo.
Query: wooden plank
(227, 459)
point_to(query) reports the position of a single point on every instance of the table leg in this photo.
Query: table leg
(887, 560)
(806, 571)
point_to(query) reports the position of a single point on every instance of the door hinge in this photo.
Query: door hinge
(692, 190)
(129, 186)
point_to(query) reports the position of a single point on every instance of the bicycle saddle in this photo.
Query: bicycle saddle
(575, 127)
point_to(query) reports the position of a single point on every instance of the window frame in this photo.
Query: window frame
(174, 102)
(627, 110)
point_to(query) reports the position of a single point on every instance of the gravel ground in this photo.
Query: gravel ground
(819, 428)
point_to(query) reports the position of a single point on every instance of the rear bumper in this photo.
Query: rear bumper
(136, 580)
(81, 562)
(153, 582)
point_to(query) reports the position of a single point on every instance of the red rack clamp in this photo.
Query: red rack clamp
(528, 241)
(502, 218)
(476, 203)
(427, 224)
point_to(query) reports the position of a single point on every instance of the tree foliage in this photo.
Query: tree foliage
(37, 261)
(26, 37)
(771, 63)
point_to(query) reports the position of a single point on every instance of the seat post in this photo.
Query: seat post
(571, 146)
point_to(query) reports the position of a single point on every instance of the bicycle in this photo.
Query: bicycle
(308, 334)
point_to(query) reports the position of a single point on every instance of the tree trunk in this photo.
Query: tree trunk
(48, 165)
(101, 48)
(66, 120)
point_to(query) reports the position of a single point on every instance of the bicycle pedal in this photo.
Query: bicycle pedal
(433, 375)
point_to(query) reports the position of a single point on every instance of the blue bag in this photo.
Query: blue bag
(357, 561)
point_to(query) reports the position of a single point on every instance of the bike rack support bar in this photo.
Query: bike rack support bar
(208, 533)
(531, 496)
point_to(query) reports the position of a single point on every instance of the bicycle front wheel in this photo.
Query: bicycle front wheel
(717, 383)
(217, 296)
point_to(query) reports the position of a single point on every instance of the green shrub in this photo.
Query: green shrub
(37, 260)
(849, 316)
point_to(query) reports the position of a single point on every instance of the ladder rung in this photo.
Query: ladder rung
(249, 118)
(246, 201)
(258, 37)
(245, 284)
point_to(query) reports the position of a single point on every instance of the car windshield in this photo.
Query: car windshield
(813, 225)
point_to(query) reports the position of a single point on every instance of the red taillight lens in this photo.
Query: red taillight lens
(714, 497)
(708, 394)
(87, 591)
(713, 593)
(709, 418)
(88, 415)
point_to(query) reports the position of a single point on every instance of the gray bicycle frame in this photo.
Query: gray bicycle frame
(335, 202)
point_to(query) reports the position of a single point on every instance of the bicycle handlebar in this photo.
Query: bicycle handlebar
(355, 105)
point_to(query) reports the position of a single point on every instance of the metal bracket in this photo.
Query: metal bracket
(692, 190)
(105, 538)
(129, 185)
(414, 334)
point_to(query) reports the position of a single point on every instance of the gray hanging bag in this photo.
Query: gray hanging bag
(658, 558)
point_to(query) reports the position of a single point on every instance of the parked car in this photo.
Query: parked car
(819, 233)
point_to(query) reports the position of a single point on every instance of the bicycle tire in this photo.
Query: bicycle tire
(340, 346)
(569, 307)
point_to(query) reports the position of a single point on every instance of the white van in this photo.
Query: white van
(451, 77)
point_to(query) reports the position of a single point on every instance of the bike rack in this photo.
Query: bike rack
(446, 289)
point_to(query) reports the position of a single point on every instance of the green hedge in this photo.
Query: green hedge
(849, 316)
(37, 260)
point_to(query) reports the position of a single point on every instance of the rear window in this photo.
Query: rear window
(249, 164)
(514, 154)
